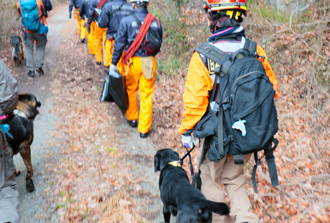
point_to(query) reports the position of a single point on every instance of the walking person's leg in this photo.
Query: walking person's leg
(9, 196)
(29, 47)
(132, 86)
(234, 181)
(41, 46)
(146, 90)
(98, 36)
(211, 187)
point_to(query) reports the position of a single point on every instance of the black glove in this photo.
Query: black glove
(69, 15)
(89, 28)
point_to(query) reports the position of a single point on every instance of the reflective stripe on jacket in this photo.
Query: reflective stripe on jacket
(127, 32)
(111, 20)
(199, 82)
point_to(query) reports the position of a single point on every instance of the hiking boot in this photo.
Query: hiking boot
(98, 63)
(132, 123)
(82, 40)
(144, 135)
(31, 73)
(40, 71)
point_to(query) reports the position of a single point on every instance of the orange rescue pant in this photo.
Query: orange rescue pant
(83, 30)
(98, 42)
(134, 82)
(105, 53)
(79, 20)
(90, 35)
(109, 49)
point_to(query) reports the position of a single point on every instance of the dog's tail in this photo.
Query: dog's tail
(216, 207)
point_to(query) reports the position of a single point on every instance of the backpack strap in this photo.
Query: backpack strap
(217, 55)
(251, 46)
(270, 159)
(138, 21)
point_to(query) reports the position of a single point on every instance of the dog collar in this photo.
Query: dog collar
(175, 163)
(2, 117)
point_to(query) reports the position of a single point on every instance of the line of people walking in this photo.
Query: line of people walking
(112, 27)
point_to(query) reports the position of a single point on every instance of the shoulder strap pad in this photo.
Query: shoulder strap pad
(212, 52)
(217, 55)
(251, 46)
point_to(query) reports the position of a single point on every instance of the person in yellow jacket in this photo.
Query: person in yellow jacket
(228, 35)
(77, 5)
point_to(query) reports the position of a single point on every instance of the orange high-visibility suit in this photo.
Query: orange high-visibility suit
(198, 85)
(99, 39)
(79, 21)
(91, 39)
(136, 81)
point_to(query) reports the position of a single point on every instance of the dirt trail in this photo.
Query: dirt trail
(36, 207)
(42, 205)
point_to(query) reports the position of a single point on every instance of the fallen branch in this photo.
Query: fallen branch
(310, 178)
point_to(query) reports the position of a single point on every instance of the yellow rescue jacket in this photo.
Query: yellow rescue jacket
(198, 85)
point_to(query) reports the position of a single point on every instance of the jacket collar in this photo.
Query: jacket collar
(141, 10)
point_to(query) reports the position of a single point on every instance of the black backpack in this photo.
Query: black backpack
(152, 41)
(247, 118)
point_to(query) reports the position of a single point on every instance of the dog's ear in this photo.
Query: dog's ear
(157, 159)
(23, 97)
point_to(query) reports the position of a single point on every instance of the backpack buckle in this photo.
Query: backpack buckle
(239, 159)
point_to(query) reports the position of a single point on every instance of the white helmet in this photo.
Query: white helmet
(135, 1)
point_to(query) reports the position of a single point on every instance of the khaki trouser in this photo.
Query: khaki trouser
(40, 40)
(231, 176)
(9, 196)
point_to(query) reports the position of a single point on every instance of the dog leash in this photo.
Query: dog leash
(190, 163)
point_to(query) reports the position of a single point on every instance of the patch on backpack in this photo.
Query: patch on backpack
(211, 65)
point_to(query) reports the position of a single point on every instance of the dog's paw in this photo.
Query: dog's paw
(29, 185)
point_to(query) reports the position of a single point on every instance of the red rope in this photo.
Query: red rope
(139, 38)
(101, 3)
(99, 6)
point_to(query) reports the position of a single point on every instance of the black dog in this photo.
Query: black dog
(16, 49)
(179, 197)
(22, 130)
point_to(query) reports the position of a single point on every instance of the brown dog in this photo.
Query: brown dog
(16, 49)
(22, 130)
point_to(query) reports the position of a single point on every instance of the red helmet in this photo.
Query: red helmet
(218, 5)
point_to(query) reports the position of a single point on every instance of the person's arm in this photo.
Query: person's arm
(90, 13)
(48, 5)
(71, 6)
(81, 9)
(196, 94)
(120, 42)
(103, 21)
(268, 68)
(19, 10)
